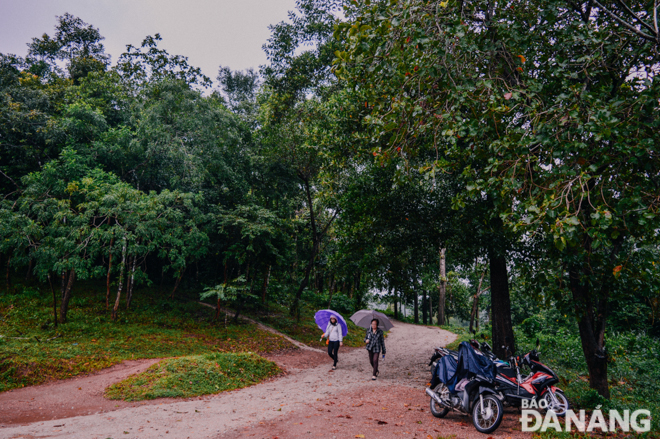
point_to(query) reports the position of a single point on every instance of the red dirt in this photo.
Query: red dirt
(402, 412)
(297, 359)
(83, 395)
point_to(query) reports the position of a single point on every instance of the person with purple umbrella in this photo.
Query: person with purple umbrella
(335, 339)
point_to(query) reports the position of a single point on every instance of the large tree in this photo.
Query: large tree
(549, 108)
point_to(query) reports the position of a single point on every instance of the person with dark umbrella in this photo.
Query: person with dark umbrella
(375, 344)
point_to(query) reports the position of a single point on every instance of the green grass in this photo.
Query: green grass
(154, 327)
(306, 331)
(194, 376)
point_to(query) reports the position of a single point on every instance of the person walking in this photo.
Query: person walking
(335, 339)
(375, 344)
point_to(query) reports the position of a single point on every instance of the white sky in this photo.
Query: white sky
(209, 32)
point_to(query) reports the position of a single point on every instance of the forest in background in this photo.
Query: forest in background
(449, 157)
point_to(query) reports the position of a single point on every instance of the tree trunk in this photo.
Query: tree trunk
(107, 280)
(475, 303)
(121, 279)
(29, 270)
(319, 282)
(66, 295)
(178, 281)
(54, 300)
(424, 307)
(239, 306)
(396, 304)
(332, 291)
(131, 283)
(64, 278)
(475, 313)
(442, 289)
(240, 299)
(592, 318)
(501, 305)
(430, 309)
(295, 306)
(332, 285)
(295, 311)
(416, 304)
(217, 308)
(264, 286)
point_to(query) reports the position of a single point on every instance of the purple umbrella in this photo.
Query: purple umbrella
(322, 318)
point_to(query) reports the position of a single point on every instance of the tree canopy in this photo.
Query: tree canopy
(453, 159)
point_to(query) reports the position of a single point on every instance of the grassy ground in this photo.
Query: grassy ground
(32, 351)
(193, 376)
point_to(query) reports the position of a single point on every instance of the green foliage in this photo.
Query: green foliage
(74, 41)
(185, 377)
(230, 291)
(147, 64)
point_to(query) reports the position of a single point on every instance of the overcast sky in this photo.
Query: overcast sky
(209, 32)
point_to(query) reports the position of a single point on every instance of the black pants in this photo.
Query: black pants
(333, 350)
(373, 359)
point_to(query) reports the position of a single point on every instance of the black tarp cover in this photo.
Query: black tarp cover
(446, 369)
(469, 364)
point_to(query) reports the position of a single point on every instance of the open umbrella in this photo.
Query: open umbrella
(364, 317)
(322, 317)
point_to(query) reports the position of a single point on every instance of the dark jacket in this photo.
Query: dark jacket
(376, 342)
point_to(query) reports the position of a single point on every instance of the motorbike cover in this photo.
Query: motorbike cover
(445, 369)
(469, 364)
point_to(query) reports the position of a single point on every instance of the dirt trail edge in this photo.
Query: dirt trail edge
(408, 349)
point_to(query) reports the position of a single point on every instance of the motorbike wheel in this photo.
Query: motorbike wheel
(436, 409)
(488, 421)
(559, 409)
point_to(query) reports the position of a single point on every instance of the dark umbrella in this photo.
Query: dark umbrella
(364, 317)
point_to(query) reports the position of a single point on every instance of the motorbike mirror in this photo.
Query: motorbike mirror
(538, 343)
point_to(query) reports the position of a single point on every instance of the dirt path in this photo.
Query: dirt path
(369, 413)
(210, 417)
(67, 398)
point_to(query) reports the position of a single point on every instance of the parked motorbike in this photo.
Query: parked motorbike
(440, 352)
(482, 347)
(537, 386)
(466, 383)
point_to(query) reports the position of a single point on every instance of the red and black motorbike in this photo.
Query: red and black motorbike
(537, 388)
